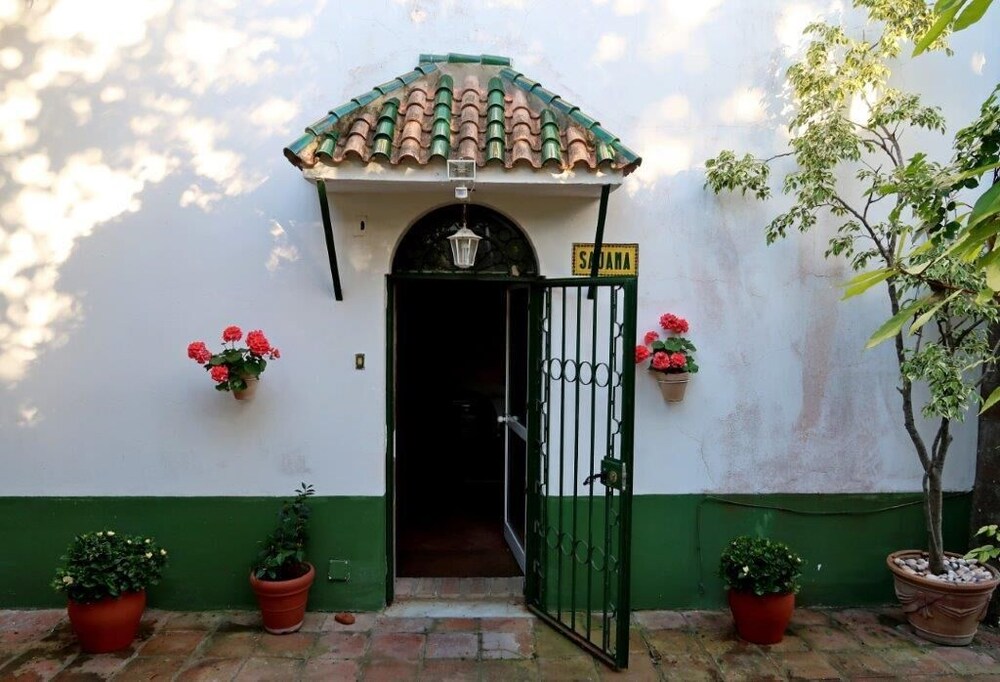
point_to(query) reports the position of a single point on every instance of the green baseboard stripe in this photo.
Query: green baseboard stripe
(677, 540)
(211, 541)
(843, 540)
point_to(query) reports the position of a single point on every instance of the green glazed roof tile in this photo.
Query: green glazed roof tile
(327, 146)
(367, 98)
(545, 95)
(322, 125)
(564, 107)
(344, 109)
(389, 86)
(584, 120)
(551, 118)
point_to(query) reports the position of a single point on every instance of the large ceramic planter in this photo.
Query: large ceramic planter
(107, 625)
(283, 602)
(939, 611)
(672, 386)
(761, 619)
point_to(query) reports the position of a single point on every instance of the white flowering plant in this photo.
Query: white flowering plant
(107, 564)
(760, 566)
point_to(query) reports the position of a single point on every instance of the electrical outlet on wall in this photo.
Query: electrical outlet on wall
(339, 571)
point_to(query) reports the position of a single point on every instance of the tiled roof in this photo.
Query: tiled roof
(462, 106)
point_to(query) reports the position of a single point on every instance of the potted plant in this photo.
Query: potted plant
(281, 576)
(235, 369)
(104, 577)
(762, 577)
(672, 358)
(897, 221)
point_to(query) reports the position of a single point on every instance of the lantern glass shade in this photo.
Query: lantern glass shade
(464, 245)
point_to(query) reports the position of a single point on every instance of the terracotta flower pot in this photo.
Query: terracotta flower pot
(283, 602)
(940, 611)
(761, 620)
(109, 624)
(249, 391)
(672, 385)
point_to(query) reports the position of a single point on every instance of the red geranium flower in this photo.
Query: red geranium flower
(661, 361)
(650, 337)
(198, 352)
(641, 353)
(257, 342)
(219, 373)
(678, 360)
(672, 323)
(275, 353)
(232, 333)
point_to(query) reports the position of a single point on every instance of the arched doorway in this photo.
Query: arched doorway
(459, 396)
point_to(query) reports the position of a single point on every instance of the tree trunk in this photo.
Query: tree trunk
(934, 500)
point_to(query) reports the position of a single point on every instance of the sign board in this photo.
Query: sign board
(617, 260)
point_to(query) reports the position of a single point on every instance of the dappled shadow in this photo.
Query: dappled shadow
(134, 78)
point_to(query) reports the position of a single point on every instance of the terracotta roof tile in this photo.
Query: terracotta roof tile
(496, 115)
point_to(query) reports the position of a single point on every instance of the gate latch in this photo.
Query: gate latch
(612, 474)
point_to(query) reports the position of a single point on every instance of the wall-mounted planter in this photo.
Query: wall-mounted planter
(672, 386)
(248, 392)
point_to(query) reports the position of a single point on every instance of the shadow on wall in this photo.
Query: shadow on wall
(102, 100)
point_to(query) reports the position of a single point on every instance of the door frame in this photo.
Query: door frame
(392, 281)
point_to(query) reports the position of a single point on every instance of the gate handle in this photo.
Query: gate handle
(594, 477)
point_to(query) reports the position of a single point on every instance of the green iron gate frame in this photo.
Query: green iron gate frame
(549, 367)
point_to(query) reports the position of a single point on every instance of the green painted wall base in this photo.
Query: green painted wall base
(211, 541)
(677, 540)
(843, 541)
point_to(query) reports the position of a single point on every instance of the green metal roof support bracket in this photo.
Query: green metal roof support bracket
(602, 214)
(331, 249)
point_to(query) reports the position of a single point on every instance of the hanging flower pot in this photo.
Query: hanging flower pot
(671, 359)
(672, 386)
(236, 369)
(248, 392)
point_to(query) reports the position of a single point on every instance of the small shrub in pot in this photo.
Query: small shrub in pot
(762, 576)
(104, 577)
(281, 576)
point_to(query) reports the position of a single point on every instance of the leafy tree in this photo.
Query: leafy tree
(886, 217)
(951, 15)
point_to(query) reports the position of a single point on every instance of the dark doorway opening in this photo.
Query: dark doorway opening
(451, 360)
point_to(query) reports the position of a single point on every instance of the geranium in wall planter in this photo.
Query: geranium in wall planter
(104, 577)
(671, 359)
(236, 369)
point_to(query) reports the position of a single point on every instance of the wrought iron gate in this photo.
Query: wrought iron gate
(580, 433)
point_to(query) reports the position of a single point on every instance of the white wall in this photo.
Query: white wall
(145, 203)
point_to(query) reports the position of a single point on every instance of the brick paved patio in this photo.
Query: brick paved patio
(692, 645)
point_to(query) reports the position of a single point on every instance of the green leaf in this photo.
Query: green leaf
(866, 281)
(990, 402)
(971, 14)
(928, 314)
(987, 205)
(993, 275)
(947, 13)
(894, 324)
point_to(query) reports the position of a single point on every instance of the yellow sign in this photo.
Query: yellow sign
(616, 260)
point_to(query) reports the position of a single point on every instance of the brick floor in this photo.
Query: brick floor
(848, 644)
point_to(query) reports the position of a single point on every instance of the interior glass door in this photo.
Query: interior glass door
(515, 422)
